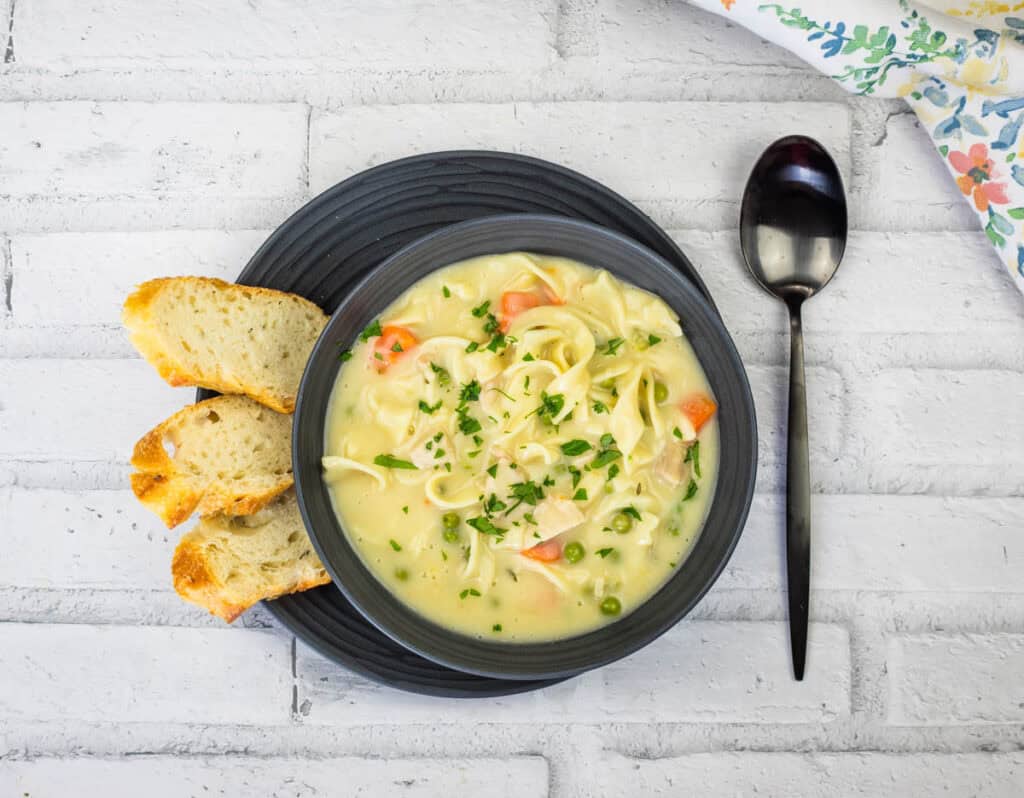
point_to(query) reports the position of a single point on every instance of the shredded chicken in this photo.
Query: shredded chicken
(555, 516)
(670, 465)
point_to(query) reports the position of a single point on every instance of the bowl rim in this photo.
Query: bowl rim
(401, 621)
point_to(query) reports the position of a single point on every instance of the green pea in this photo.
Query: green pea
(574, 552)
(622, 523)
(660, 392)
(401, 574)
(451, 536)
(611, 606)
(450, 520)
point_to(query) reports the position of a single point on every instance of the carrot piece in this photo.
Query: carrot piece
(392, 343)
(548, 551)
(515, 302)
(699, 409)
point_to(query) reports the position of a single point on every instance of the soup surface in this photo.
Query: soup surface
(522, 447)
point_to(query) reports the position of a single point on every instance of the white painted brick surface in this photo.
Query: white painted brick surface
(700, 671)
(190, 33)
(143, 674)
(651, 152)
(92, 539)
(814, 775)
(888, 543)
(942, 283)
(956, 679)
(186, 150)
(235, 777)
(637, 32)
(919, 424)
(84, 278)
(64, 409)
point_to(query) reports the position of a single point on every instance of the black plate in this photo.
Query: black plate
(734, 488)
(329, 244)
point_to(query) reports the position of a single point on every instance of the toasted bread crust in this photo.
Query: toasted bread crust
(148, 338)
(175, 495)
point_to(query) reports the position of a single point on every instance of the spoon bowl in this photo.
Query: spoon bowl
(793, 227)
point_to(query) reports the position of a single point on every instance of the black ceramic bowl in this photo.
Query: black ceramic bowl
(596, 247)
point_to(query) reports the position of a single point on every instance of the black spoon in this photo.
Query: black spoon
(793, 233)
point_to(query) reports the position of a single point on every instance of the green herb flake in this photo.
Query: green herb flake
(406, 509)
(653, 339)
(472, 346)
(693, 456)
(485, 525)
(528, 517)
(691, 491)
(470, 392)
(575, 447)
(439, 453)
(430, 409)
(443, 377)
(605, 457)
(481, 309)
(548, 481)
(612, 347)
(446, 292)
(397, 347)
(389, 461)
(580, 495)
(395, 544)
(372, 330)
(467, 424)
(550, 405)
(602, 553)
(613, 471)
(448, 467)
(631, 511)
(577, 475)
(529, 492)
(600, 407)
(528, 358)
(378, 355)
(493, 471)
(677, 433)
(494, 505)
(345, 356)
(496, 627)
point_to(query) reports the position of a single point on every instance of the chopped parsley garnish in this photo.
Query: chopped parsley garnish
(577, 475)
(528, 517)
(575, 447)
(529, 492)
(548, 481)
(445, 291)
(470, 392)
(430, 409)
(580, 495)
(345, 356)
(602, 553)
(498, 340)
(510, 398)
(491, 325)
(378, 355)
(496, 627)
(494, 505)
(528, 358)
(677, 433)
(493, 471)
(448, 467)
(653, 339)
(472, 454)
(600, 407)
(389, 461)
(631, 511)
(607, 440)
(691, 491)
(613, 471)
(693, 456)
(397, 347)
(395, 544)
(612, 347)
(469, 591)
(481, 309)
(437, 437)
(443, 377)
(478, 440)
(467, 424)
(439, 453)
(550, 406)
(372, 330)
(607, 453)
(484, 524)
(406, 509)
(472, 346)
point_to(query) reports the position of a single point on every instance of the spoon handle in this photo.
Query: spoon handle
(798, 497)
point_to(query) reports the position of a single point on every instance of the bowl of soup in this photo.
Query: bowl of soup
(524, 446)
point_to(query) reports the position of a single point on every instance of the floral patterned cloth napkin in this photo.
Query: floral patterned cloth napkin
(958, 63)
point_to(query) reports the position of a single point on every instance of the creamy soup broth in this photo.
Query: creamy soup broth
(522, 447)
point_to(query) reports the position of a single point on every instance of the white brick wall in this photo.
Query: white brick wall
(165, 777)
(142, 140)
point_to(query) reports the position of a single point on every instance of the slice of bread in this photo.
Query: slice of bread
(227, 564)
(226, 337)
(226, 455)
